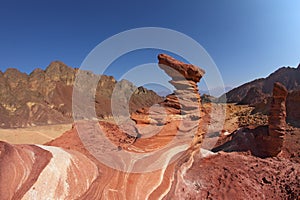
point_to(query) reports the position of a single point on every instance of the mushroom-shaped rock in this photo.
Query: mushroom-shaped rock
(183, 105)
(188, 71)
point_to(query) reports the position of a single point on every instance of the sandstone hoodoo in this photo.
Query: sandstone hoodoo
(184, 78)
(183, 104)
(186, 96)
(277, 119)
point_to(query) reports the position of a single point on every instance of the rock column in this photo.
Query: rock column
(182, 107)
(186, 97)
(277, 119)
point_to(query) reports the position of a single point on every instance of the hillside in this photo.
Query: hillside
(262, 88)
(45, 96)
(258, 93)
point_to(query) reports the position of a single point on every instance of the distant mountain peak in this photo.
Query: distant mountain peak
(57, 62)
(37, 71)
(13, 73)
(57, 67)
(288, 76)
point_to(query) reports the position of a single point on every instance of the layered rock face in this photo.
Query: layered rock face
(277, 119)
(37, 169)
(220, 176)
(44, 172)
(185, 77)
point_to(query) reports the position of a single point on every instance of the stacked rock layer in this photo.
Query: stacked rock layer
(183, 105)
(277, 119)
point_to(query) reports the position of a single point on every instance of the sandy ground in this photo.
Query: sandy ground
(33, 135)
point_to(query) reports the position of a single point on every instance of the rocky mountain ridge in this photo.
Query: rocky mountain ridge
(288, 76)
(45, 96)
(258, 93)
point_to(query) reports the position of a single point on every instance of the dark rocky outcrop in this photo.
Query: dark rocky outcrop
(288, 76)
(253, 96)
(293, 107)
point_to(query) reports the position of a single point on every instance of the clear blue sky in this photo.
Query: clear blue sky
(246, 39)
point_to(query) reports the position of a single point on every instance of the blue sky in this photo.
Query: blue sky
(246, 39)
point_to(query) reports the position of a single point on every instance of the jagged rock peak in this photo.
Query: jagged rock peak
(13, 71)
(57, 66)
(37, 71)
(14, 76)
(58, 71)
(189, 71)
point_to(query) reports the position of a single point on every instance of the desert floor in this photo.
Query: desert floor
(33, 135)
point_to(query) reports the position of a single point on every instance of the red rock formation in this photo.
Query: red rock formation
(277, 119)
(221, 176)
(238, 176)
(68, 169)
(263, 141)
(20, 167)
(186, 97)
(183, 105)
(43, 172)
(163, 150)
(188, 71)
(292, 107)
